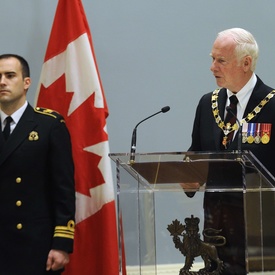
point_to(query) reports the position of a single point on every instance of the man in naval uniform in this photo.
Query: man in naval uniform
(37, 204)
(234, 56)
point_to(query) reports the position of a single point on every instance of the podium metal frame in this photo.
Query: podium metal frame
(153, 190)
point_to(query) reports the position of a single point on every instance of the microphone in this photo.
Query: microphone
(134, 135)
(229, 109)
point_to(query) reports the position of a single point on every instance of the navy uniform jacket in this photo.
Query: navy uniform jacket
(37, 203)
(206, 135)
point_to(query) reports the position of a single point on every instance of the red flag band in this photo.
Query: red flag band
(70, 84)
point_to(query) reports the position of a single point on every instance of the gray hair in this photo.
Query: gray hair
(245, 44)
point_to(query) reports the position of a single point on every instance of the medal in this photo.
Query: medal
(244, 133)
(266, 132)
(251, 131)
(250, 139)
(265, 136)
(224, 141)
(258, 135)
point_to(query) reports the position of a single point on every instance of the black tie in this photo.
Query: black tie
(230, 118)
(7, 129)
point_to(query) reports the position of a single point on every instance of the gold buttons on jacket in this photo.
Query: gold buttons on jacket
(18, 180)
(19, 226)
(18, 203)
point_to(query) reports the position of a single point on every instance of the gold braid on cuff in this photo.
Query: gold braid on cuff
(65, 231)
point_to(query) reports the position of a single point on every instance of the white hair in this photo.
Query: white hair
(245, 44)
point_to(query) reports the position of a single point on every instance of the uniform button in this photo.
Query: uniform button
(19, 226)
(18, 203)
(18, 180)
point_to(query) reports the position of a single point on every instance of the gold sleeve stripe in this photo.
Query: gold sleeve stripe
(65, 231)
(63, 235)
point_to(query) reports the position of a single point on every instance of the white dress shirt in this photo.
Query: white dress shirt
(15, 116)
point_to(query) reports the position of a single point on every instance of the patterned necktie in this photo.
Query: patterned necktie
(7, 129)
(230, 118)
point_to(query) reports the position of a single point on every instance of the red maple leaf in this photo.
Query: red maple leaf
(86, 127)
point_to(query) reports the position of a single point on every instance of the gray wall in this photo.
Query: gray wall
(150, 53)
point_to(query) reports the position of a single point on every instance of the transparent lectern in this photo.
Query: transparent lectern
(160, 191)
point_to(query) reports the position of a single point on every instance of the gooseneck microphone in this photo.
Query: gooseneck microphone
(229, 109)
(134, 135)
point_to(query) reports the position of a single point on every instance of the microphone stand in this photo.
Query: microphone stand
(134, 135)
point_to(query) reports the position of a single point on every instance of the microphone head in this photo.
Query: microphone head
(165, 109)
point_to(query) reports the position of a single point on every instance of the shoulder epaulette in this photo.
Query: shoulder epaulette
(48, 112)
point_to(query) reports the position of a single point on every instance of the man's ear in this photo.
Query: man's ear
(247, 63)
(27, 83)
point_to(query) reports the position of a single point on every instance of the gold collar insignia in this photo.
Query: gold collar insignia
(228, 127)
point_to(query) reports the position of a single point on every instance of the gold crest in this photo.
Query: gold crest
(33, 136)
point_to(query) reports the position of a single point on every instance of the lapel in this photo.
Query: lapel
(221, 105)
(2, 140)
(259, 92)
(19, 134)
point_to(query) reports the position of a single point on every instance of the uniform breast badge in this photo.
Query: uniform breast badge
(33, 136)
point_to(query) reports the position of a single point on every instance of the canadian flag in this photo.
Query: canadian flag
(70, 84)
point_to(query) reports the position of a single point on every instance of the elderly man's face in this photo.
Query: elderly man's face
(226, 68)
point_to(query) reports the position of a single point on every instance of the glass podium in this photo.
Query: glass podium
(159, 195)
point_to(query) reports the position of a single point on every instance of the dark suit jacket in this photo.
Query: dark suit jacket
(224, 210)
(206, 135)
(37, 203)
